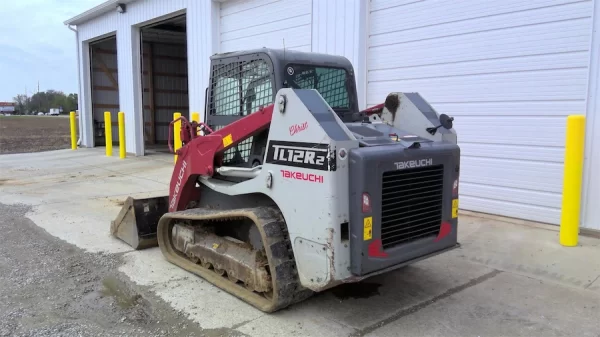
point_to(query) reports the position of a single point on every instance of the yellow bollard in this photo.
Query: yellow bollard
(108, 133)
(73, 131)
(177, 132)
(121, 135)
(196, 118)
(573, 171)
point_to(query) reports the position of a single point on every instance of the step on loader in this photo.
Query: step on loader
(287, 188)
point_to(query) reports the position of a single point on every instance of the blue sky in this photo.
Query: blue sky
(36, 45)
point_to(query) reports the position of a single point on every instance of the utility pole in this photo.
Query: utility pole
(38, 91)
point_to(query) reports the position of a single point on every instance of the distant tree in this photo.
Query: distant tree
(45, 100)
(39, 102)
(73, 103)
(21, 103)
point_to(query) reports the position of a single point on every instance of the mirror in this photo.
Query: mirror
(446, 121)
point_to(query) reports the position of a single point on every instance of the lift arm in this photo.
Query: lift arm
(197, 157)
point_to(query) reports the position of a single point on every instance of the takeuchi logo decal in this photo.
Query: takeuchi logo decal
(316, 178)
(178, 184)
(297, 128)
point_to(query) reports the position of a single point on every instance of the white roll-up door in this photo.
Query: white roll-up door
(265, 23)
(508, 71)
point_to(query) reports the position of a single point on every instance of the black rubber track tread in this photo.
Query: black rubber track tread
(287, 289)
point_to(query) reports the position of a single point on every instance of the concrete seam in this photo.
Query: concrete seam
(417, 307)
(336, 321)
(154, 287)
(517, 269)
(589, 285)
(241, 324)
(118, 254)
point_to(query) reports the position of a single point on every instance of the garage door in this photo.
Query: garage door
(265, 23)
(508, 71)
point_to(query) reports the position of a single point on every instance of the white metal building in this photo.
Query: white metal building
(508, 71)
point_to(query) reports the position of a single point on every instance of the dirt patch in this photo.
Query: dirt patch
(14, 182)
(22, 134)
(118, 202)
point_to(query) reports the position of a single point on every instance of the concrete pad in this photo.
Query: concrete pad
(84, 223)
(108, 185)
(301, 322)
(32, 168)
(28, 181)
(148, 267)
(337, 312)
(206, 305)
(78, 208)
(364, 304)
(76, 202)
(156, 168)
(30, 159)
(212, 308)
(529, 251)
(202, 302)
(505, 305)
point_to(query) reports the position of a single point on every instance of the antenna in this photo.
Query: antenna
(284, 48)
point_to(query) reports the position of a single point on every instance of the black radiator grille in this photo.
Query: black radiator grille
(411, 205)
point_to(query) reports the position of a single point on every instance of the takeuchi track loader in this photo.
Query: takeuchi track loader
(287, 189)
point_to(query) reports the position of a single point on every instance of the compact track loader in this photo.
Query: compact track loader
(288, 189)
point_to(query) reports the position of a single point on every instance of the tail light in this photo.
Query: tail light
(366, 203)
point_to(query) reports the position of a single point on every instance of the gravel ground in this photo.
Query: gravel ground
(51, 288)
(20, 134)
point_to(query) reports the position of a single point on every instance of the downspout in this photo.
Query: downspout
(78, 82)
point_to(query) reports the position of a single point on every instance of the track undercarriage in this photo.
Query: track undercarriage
(245, 252)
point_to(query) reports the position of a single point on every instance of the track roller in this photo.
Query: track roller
(262, 274)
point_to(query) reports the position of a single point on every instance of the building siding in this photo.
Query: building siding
(126, 28)
(591, 184)
(202, 27)
(98, 27)
(265, 23)
(339, 28)
(509, 72)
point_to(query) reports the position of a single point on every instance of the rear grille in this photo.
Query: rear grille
(411, 206)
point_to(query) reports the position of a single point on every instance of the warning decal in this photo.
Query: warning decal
(368, 228)
(227, 140)
(454, 208)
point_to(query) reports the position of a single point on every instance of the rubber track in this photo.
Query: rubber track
(287, 289)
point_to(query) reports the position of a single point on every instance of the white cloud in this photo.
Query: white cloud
(35, 45)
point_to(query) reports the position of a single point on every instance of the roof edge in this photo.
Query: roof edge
(91, 13)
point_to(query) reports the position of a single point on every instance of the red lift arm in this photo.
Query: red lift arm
(197, 156)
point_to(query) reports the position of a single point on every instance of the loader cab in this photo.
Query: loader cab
(241, 82)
